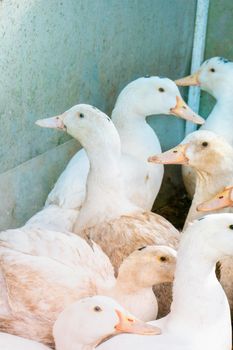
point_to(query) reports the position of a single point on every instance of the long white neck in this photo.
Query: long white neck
(220, 119)
(198, 298)
(105, 197)
(137, 137)
(207, 185)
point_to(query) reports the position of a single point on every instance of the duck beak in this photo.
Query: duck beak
(129, 324)
(185, 112)
(190, 80)
(221, 200)
(53, 123)
(176, 155)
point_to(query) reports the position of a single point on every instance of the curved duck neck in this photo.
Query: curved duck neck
(220, 119)
(198, 298)
(105, 196)
(137, 137)
(104, 177)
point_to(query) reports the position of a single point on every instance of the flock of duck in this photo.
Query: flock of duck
(81, 271)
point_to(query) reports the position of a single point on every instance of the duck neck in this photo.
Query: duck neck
(198, 298)
(105, 196)
(137, 299)
(125, 284)
(104, 178)
(137, 137)
(221, 118)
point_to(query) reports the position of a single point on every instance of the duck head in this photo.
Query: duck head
(91, 320)
(85, 123)
(154, 95)
(149, 265)
(203, 150)
(215, 233)
(223, 199)
(214, 76)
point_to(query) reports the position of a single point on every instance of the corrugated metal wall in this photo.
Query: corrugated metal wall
(57, 53)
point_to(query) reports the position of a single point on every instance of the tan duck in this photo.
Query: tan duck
(43, 271)
(212, 159)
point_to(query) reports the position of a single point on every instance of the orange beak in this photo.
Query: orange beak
(190, 80)
(53, 123)
(185, 112)
(221, 200)
(129, 324)
(175, 155)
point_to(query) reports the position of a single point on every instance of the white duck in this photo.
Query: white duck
(200, 315)
(216, 77)
(43, 271)
(212, 159)
(84, 325)
(139, 99)
(107, 216)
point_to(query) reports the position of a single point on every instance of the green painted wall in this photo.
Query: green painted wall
(57, 53)
(219, 40)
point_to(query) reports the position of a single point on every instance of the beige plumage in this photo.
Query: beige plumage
(121, 236)
(43, 271)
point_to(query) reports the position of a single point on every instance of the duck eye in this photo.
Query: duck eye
(212, 70)
(204, 144)
(97, 309)
(163, 258)
(81, 115)
(231, 227)
(161, 89)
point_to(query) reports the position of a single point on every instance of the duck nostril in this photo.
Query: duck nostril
(221, 197)
(184, 107)
(175, 151)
